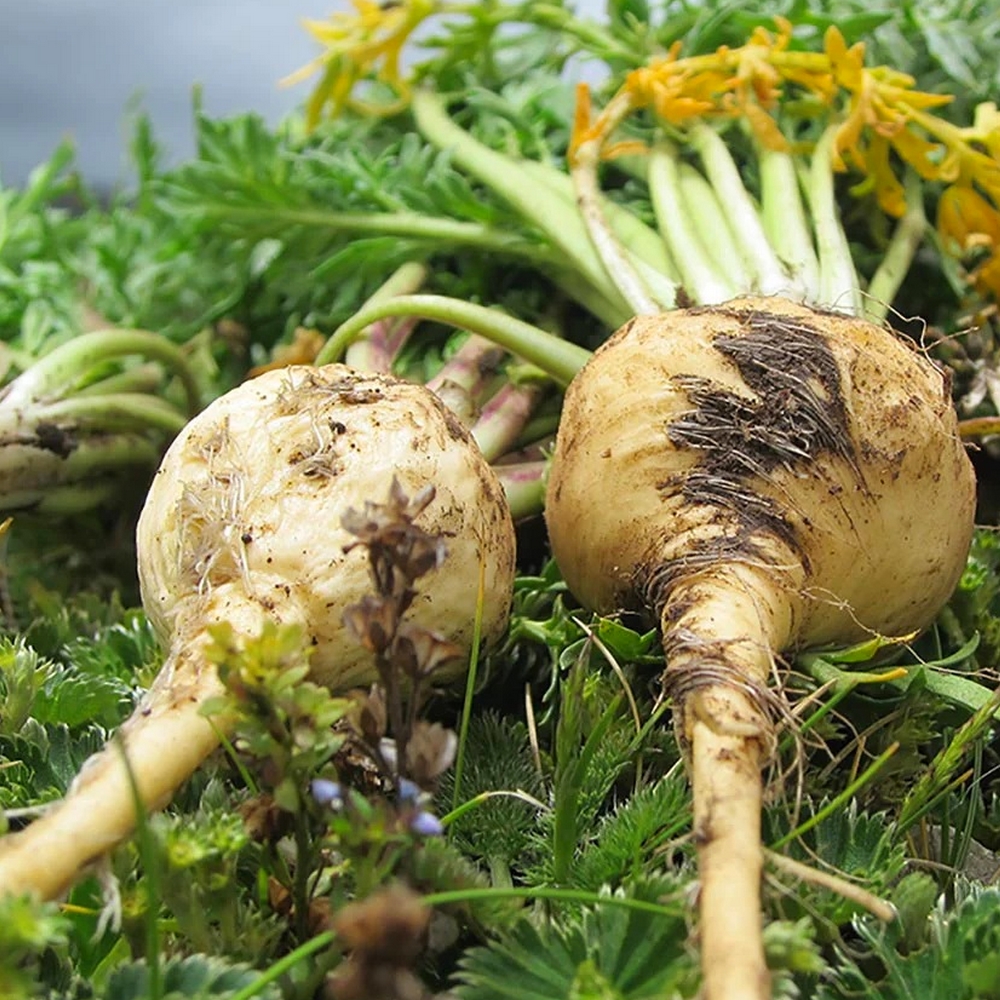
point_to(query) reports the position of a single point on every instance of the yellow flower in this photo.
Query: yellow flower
(674, 89)
(970, 223)
(985, 128)
(358, 46)
(880, 177)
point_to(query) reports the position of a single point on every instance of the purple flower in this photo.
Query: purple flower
(426, 824)
(326, 792)
(409, 791)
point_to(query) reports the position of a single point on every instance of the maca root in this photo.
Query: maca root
(757, 478)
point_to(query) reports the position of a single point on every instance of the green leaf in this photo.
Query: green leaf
(72, 699)
(959, 960)
(625, 643)
(628, 838)
(40, 762)
(954, 50)
(193, 978)
(914, 899)
(611, 951)
(498, 757)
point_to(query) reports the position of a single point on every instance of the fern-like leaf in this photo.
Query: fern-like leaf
(194, 978)
(607, 951)
(961, 960)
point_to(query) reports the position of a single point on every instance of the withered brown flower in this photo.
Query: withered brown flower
(373, 622)
(418, 652)
(429, 752)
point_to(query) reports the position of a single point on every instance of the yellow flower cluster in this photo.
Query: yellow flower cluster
(885, 125)
(360, 46)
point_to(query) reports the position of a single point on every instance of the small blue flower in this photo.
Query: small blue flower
(326, 792)
(409, 791)
(426, 824)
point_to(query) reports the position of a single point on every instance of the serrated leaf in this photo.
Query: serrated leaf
(41, 761)
(627, 838)
(193, 978)
(631, 953)
(498, 757)
(957, 962)
(72, 699)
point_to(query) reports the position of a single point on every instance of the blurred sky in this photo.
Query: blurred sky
(74, 67)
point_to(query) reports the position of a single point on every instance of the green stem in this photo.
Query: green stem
(61, 501)
(439, 231)
(151, 870)
(561, 225)
(35, 477)
(283, 964)
(701, 279)
(500, 876)
(785, 221)
(593, 299)
(558, 358)
(376, 350)
(898, 257)
(954, 688)
(741, 212)
(709, 222)
(139, 378)
(463, 381)
(841, 801)
(524, 485)
(470, 690)
(541, 892)
(60, 369)
(618, 266)
(116, 411)
(643, 242)
(303, 869)
(541, 427)
(838, 282)
(503, 418)
(590, 33)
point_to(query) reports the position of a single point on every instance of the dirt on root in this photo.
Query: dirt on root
(795, 414)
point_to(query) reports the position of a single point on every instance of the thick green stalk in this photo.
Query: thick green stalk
(643, 242)
(578, 288)
(898, 257)
(702, 280)
(61, 501)
(709, 222)
(461, 383)
(504, 417)
(839, 287)
(138, 378)
(59, 370)
(742, 214)
(112, 412)
(442, 232)
(35, 477)
(376, 350)
(561, 225)
(615, 260)
(524, 485)
(589, 32)
(785, 221)
(558, 358)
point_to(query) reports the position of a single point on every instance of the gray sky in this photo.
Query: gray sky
(74, 67)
